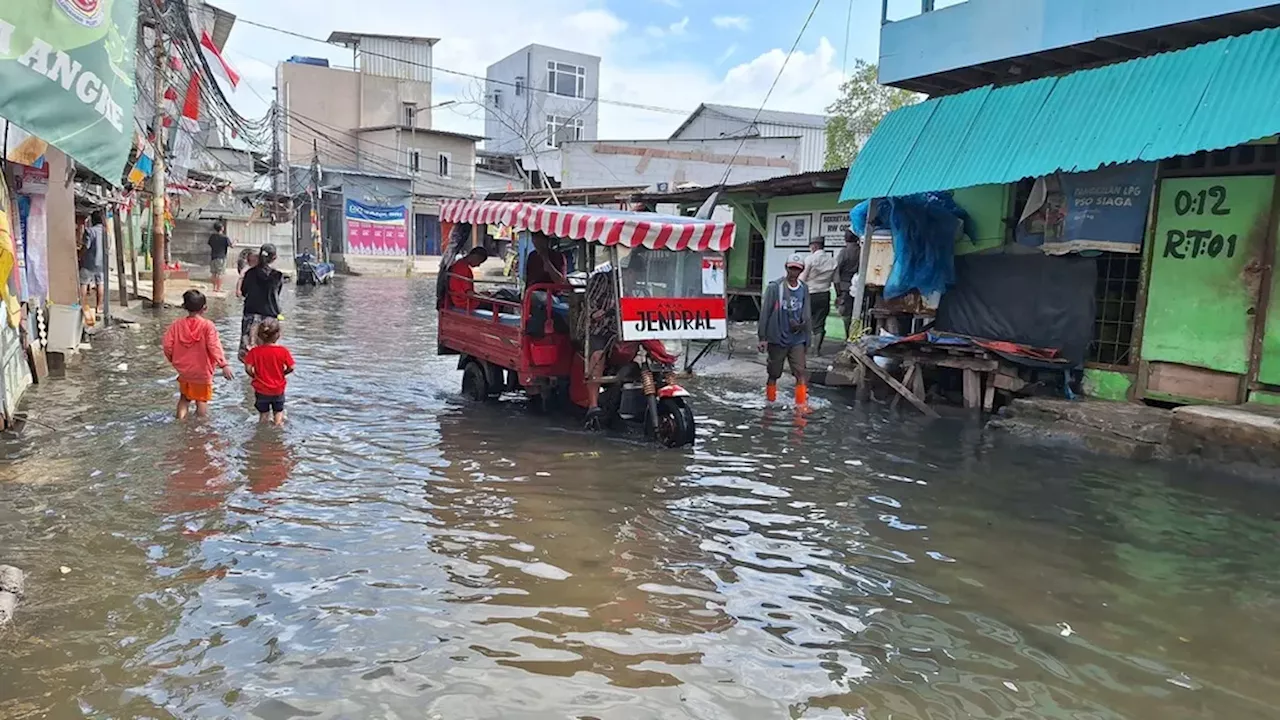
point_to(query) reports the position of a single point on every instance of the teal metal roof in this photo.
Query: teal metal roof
(1208, 97)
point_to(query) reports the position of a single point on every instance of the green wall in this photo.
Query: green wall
(988, 206)
(1198, 299)
(775, 257)
(739, 255)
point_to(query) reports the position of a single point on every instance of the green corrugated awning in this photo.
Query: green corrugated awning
(1208, 97)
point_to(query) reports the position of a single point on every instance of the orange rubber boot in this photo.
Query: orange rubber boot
(802, 395)
(771, 392)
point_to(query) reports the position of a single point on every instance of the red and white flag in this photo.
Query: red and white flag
(219, 66)
(191, 105)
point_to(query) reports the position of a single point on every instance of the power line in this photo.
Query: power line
(728, 169)
(848, 23)
(525, 87)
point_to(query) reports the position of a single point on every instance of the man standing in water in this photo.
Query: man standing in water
(91, 265)
(784, 330)
(261, 288)
(219, 244)
(819, 272)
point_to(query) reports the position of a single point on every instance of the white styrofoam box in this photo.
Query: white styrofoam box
(66, 325)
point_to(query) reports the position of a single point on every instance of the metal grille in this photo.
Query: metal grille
(1116, 299)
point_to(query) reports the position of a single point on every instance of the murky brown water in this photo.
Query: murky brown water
(395, 553)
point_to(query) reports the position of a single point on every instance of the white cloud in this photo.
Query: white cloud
(634, 68)
(675, 29)
(728, 53)
(736, 22)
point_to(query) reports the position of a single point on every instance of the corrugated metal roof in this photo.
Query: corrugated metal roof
(883, 157)
(1208, 97)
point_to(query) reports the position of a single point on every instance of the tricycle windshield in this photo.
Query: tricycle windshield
(671, 295)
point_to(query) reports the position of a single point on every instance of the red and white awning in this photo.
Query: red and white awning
(598, 225)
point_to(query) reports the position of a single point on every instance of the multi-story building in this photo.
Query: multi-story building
(369, 130)
(1132, 143)
(539, 97)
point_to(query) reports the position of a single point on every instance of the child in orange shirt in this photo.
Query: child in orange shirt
(192, 346)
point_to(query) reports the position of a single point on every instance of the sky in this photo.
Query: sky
(668, 53)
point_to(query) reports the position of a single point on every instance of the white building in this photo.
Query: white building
(665, 165)
(727, 121)
(539, 97)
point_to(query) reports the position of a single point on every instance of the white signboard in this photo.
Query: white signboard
(792, 230)
(831, 225)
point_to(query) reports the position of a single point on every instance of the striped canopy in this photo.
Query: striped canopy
(597, 225)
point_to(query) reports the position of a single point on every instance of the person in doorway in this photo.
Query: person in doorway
(261, 287)
(462, 276)
(847, 263)
(91, 250)
(192, 346)
(269, 364)
(219, 244)
(819, 274)
(785, 326)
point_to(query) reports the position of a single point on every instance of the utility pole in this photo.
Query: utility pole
(118, 227)
(157, 177)
(317, 235)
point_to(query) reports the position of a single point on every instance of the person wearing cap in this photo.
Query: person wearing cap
(261, 289)
(818, 274)
(785, 326)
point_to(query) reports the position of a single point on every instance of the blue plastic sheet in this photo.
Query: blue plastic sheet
(924, 233)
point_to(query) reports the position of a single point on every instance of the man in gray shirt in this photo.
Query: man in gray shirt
(91, 250)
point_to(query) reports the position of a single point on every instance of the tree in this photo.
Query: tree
(862, 104)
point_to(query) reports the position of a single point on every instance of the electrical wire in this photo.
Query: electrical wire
(526, 87)
(729, 168)
(848, 24)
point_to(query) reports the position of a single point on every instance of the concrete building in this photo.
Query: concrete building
(1088, 132)
(662, 165)
(372, 121)
(539, 97)
(711, 122)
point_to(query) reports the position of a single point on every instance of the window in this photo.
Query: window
(415, 160)
(1116, 298)
(445, 161)
(410, 114)
(519, 85)
(567, 80)
(560, 129)
(497, 99)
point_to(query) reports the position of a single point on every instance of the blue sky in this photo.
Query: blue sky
(668, 53)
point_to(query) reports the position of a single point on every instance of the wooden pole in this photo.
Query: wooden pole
(133, 250)
(118, 227)
(157, 191)
(105, 289)
(864, 259)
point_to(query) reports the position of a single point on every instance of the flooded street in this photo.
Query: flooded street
(395, 552)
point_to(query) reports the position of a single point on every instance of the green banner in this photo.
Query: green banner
(66, 75)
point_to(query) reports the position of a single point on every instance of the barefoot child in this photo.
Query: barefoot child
(268, 363)
(192, 346)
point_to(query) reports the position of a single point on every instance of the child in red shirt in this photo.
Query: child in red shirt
(268, 363)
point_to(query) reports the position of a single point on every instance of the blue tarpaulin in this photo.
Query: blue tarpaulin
(924, 229)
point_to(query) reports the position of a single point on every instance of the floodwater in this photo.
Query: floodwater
(397, 553)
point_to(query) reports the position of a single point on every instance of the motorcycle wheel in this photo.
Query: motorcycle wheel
(675, 423)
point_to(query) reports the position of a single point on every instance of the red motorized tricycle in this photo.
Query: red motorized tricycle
(594, 333)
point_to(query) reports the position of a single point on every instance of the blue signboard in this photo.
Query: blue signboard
(1104, 210)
